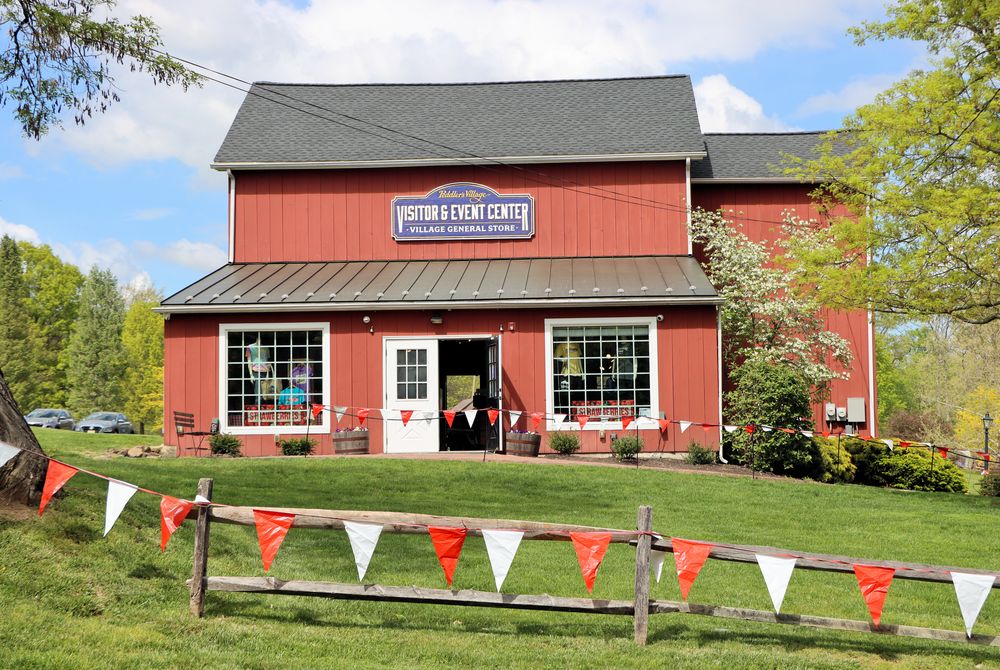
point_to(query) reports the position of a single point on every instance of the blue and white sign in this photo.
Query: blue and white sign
(463, 211)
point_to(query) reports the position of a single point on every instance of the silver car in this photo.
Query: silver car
(50, 418)
(105, 422)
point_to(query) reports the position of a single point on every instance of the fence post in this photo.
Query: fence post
(197, 605)
(643, 523)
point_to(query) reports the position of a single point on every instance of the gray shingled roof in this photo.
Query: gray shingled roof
(297, 123)
(752, 155)
(519, 282)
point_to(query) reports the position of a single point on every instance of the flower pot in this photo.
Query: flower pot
(351, 442)
(522, 444)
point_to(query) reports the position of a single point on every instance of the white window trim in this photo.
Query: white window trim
(322, 427)
(654, 378)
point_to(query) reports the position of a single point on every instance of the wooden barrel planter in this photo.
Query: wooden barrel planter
(351, 442)
(523, 444)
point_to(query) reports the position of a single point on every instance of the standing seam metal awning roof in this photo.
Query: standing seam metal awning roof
(447, 284)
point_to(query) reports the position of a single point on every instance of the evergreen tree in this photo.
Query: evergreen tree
(18, 335)
(142, 337)
(97, 361)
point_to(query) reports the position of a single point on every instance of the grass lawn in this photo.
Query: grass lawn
(75, 599)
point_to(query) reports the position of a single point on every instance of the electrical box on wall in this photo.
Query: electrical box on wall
(856, 410)
(831, 412)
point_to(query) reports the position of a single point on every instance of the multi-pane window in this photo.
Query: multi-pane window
(602, 371)
(273, 376)
(411, 374)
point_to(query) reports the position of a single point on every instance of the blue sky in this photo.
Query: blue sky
(132, 190)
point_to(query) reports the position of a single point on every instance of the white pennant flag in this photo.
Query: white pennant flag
(766, 429)
(889, 444)
(363, 537)
(392, 415)
(7, 452)
(501, 545)
(730, 429)
(558, 420)
(971, 591)
(429, 416)
(777, 572)
(119, 493)
(514, 418)
(470, 416)
(339, 411)
(202, 499)
(657, 557)
(684, 426)
(807, 433)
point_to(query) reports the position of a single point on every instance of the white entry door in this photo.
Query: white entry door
(411, 384)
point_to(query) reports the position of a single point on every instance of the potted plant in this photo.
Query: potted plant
(522, 443)
(350, 441)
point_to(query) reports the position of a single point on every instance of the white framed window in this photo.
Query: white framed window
(270, 375)
(605, 368)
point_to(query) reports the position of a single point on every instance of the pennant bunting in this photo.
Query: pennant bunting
(826, 434)
(590, 549)
(730, 429)
(684, 425)
(626, 422)
(985, 456)
(363, 537)
(339, 411)
(493, 414)
(903, 444)
(316, 410)
(664, 424)
(536, 421)
(777, 572)
(942, 452)
(428, 417)
(198, 498)
(501, 546)
(582, 419)
(689, 558)
(971, 591)
(172, 515)
(807, 433)
(447, 545)
(707, 427)
(874, 582)
(7, 452)
(449, 416)
(889, 443)
(404, 415)
(470, 416)
(766, 429)
(656, 560)
(362, 415)
(749, 429)
(56, 475)
(271, 530)
(119, 493)
(514, 418)
(558, 420)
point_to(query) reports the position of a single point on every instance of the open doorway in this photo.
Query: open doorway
(469, 379)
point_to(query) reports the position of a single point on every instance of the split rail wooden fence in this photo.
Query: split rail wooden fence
(639, 608)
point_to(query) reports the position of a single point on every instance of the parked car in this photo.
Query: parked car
(105, 422)
(50, 418)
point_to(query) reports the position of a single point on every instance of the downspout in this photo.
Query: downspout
(718, 332)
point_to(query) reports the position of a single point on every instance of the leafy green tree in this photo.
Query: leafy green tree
(18, 335)
(918, 169)
(142, 336)
(97, 360)
(60, 56)
(53, 288)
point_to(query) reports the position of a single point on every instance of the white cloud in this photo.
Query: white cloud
(10, 171)
(723, 108)
(151, 214)
(849, 97)
(128, 261)
(428, 40)
(195, 255)
(19, 231)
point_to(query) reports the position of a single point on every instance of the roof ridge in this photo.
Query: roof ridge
(505, 82)
(773, 132)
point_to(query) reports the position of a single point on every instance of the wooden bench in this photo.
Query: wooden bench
(184, 425)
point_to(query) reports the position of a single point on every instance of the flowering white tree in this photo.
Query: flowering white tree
(767, 314)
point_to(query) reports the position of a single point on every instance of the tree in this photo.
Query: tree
(142, 336)
(97, 357)
(763, 318)
(918, 169)
(18, 335)
(60, 55)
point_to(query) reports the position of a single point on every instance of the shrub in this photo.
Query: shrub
(990, 484)
(835, 464)
(564, 443)
(910, 469)
(296, 446)
(771, 394)
(866, 457)
(699, 455)
(225, 445)
(626, 448)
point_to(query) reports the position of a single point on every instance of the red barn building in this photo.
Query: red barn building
(393, 247)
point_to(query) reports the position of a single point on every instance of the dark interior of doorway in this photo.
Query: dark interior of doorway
(466, 384)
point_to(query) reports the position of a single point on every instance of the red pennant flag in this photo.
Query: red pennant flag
(493, 414)
(316, 410)
(56, 475)
(536, 420)
(985, 456)
(707, 427)
(750, 429)
(362, 415)
(582, 419)
(942, 452)
(787, 430)
(405, 414)
(689, 557)
(874, 582)
(626, 422)
(663, 425)
(590, 549)
(449, 416)
(172, 515)
(826, 434)
(447, 545)
(903, 444)
(271, 530)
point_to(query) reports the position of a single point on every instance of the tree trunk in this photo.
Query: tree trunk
(21, 479)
